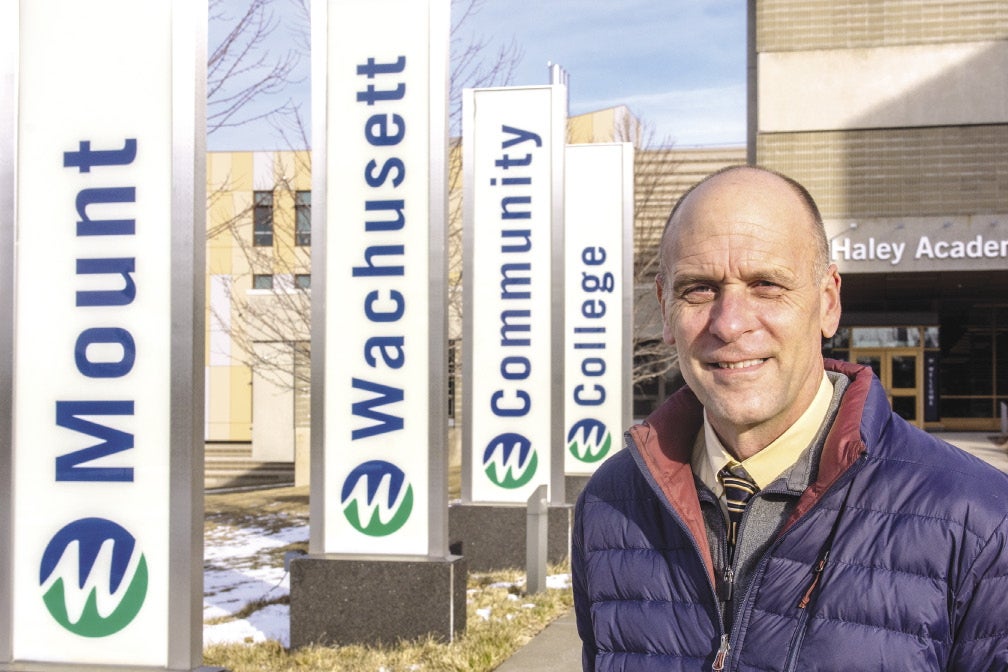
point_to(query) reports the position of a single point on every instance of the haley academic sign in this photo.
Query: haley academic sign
(902, 245)
(379, 319)
(106, 471)
(513, 185)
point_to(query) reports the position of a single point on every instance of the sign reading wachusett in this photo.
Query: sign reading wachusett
(513, 171)
(380, 90)
(107, 314)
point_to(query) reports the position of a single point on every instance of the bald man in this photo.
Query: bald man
(775, 514)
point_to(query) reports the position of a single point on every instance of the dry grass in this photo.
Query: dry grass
(500, 617)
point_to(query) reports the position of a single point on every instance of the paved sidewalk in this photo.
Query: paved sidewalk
(555, 649)
(981, 444)
(558, 647)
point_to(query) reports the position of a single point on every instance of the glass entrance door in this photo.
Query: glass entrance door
(900, 370)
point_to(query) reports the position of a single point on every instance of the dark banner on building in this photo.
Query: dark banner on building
(931, 396)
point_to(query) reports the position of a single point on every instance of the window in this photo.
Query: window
(302, 218)
(262, 218)
(302, 280)
(262, 281)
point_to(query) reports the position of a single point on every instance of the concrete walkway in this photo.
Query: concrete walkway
(555, 649)
(558, 647)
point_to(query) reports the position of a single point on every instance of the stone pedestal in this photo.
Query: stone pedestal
(338, 600)
(573, 485)
(492, 536)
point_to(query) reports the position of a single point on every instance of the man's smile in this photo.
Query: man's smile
(743, 364)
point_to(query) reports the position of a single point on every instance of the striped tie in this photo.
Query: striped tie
(739, 488)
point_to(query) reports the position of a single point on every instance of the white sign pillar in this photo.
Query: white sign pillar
(103, 517)
(513, 141)
(379, 494)
(599, 210)
(379, 329)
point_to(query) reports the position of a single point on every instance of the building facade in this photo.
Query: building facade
(894, 113)
(258, 301)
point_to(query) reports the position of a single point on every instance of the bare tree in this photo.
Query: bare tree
(655, 165)
(243, 66)
(251, 63)
(283, 315)
(277, 311)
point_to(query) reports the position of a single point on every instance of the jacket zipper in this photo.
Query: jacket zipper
(728, 585)
(728, 588)
(816, 574)
(796, 641)
(722, 654)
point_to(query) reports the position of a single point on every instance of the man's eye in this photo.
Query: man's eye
(698, 293)
(767, 288)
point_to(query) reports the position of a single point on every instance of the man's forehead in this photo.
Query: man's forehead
(749, 255)
(739, 188)
(740, 200)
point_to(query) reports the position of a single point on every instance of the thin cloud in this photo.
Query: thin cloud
(618, 53)
(686, 117)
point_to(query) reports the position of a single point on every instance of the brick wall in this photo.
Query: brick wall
(897, 172)
(790, 25)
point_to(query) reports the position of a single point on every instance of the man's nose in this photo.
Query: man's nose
(732, 315)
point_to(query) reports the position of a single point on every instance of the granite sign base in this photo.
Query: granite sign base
(339, 600)
(492, 536)
(573, 485)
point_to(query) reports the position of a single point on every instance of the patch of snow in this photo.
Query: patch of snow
(234, 576)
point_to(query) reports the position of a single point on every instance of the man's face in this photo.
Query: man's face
(743, 306)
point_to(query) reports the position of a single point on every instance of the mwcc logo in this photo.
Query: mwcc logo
(509, 460)
(93, 577)
(376, 498)
(589, 440)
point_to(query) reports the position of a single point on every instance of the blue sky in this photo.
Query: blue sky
(678, 64)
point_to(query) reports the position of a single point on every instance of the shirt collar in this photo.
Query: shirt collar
(765, 466)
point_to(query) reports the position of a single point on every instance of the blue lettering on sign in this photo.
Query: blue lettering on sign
(366, 409)
(384, 306)
(107, 335)
(93, 207)
(69, 415)
(516, 273)
(589, 336)
(107, 297)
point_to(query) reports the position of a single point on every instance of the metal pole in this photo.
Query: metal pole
(536, 541)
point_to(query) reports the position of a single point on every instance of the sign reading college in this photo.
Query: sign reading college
(598, 212)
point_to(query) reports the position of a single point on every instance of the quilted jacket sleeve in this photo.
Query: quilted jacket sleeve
(582, 606)
(980, 638)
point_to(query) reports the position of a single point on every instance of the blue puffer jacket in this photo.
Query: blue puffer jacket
(916, 576)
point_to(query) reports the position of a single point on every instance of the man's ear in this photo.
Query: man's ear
(830, 312)
(667, 335)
